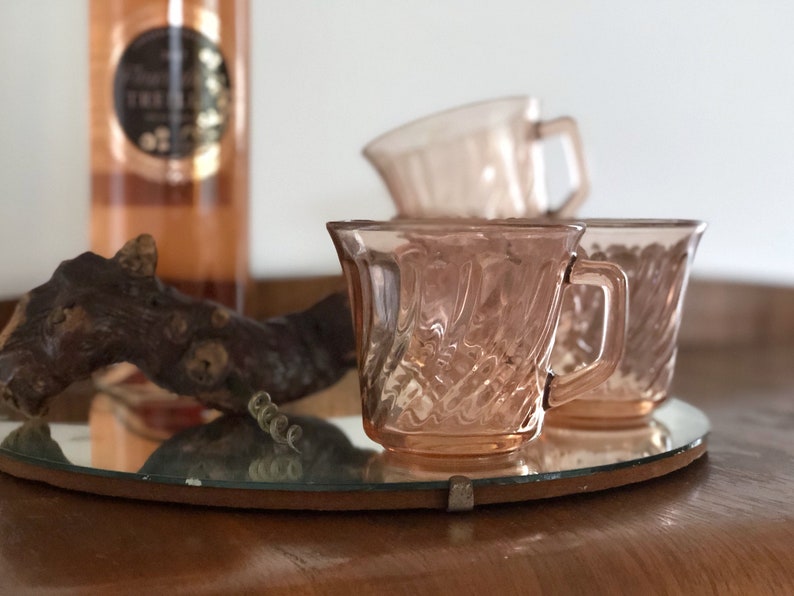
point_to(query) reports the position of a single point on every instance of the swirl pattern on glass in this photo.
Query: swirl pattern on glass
(656, 257)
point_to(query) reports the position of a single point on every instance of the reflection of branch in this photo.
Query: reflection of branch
(234, 448)
(272, 422)
(285, 467)
(95, 311)
(34, 439)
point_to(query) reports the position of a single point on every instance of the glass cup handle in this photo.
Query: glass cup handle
(612, 279)
(566, 127)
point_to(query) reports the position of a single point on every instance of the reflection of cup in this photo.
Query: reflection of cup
(479, 160)
(561, 449)
(455, 321)
(656, 256)
(394, 466)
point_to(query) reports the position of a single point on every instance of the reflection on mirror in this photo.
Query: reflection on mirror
(181, 441)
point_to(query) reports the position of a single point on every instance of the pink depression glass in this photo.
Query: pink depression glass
(455, 322)
(656, 255)
(478, 160)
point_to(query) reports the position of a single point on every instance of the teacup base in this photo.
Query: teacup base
(603, 414)
(446, 445)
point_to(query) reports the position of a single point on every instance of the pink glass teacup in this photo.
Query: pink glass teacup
(479, 160)
(656, 255)
(455, 322)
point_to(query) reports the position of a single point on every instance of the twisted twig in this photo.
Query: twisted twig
(266, 413)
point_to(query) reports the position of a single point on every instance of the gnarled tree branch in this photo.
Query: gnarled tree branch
(94, 312)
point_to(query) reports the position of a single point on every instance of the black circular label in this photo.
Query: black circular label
(172, 92)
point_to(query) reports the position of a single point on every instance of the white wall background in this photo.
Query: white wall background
(686, 109)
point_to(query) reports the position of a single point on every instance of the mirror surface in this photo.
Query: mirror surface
(181, 443)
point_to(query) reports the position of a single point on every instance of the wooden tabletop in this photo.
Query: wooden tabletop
(723, 525)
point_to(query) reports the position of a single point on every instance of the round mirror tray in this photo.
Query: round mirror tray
(183, 455)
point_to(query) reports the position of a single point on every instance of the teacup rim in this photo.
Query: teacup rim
(454, 224)
(639, 222)
(530, 105)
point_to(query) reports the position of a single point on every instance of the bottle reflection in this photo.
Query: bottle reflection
(128, 426)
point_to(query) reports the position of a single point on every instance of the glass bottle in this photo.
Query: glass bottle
(169, 138)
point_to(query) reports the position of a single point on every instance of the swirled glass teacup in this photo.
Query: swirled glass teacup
(478, 160)
(455, 322)
(656, 255)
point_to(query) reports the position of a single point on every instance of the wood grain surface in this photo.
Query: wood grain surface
(723, 525)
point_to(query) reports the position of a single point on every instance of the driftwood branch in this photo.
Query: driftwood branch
(95, 312)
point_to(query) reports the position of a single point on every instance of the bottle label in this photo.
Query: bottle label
(172, 95)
